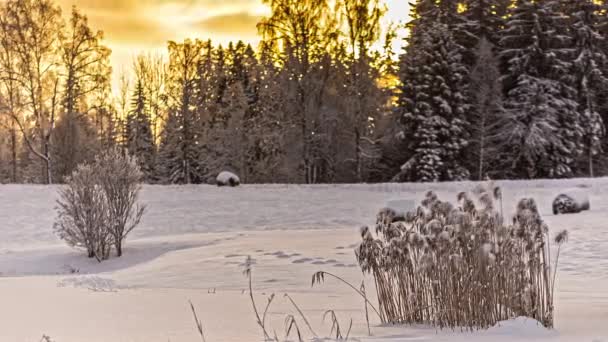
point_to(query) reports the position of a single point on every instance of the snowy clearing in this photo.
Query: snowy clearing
(193, 241)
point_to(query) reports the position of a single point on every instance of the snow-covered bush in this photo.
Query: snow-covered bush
(461, 266)
(226, 178)
(119, 177)
(570, 202)
(82, 213)
(98, 206)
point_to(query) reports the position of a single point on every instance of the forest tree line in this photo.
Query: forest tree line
(483, 88)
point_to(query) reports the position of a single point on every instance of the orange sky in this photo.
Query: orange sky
(133, 26)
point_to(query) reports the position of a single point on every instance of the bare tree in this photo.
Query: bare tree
(82, 214)
(32, 30)
(85, 60)
(122, 104)
(11, 103)
(179, 148)
(486, 90)
(366, 99)
(152, 71)
(304, 31)
(84, 70)
(119, 178)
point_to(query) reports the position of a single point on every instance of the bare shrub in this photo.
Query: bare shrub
(119, 176)
(82, 214)
(98, 207)
(461, 266)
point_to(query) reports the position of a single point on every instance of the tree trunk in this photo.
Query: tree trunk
(48, 164)
(358, 154)
(307, 171)
(118, 246)
(481, 156)
(482, 143)
(13, 152)
(591, 163)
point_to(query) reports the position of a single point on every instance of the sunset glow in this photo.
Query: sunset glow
(135, 26)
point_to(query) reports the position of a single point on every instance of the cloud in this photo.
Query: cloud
(102, 6)
(237, 24)
(153, 22)
(129, 30)
(134, 7)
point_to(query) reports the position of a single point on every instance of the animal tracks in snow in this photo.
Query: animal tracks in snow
(299, 259)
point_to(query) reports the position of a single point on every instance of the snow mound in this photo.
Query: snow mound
(227, 178)
(571, 201)
(521, 327)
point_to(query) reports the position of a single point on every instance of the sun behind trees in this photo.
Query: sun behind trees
(51, 70)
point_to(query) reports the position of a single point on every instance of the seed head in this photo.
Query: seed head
(561, 237)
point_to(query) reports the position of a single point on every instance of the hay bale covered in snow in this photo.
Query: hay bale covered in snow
(226, 178)
(571, 202)
(395, 210)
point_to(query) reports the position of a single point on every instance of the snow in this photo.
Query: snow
(192, 245)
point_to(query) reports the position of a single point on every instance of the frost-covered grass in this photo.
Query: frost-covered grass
(193, 242)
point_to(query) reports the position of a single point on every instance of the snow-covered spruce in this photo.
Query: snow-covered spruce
(543, 119)
(571, 202)
(226, 178)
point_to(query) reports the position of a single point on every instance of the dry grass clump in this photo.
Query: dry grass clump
(461, 266)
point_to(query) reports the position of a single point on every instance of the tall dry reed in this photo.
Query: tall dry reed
(461, 266)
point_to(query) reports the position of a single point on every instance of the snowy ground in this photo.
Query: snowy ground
(193, 241)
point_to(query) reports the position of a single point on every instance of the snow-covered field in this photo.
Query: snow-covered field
(193, 241)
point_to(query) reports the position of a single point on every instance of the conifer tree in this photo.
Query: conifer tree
(140, 143)
(589, 75)
(266, 124)
(180, 148)
(485, 19)
(432, 100)
(544, 124)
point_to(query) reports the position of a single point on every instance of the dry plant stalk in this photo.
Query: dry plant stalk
(335, 325)
(319, 278)
(369, 331)
(350, 326)
(270, 299)
(290, 323)
(461, 266)
(301, 315)
(247, 273)
(199, 324)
